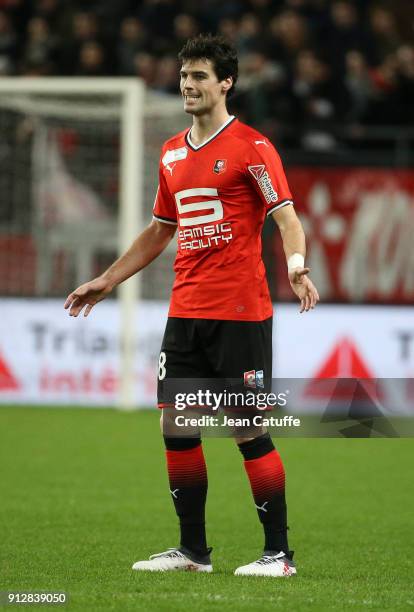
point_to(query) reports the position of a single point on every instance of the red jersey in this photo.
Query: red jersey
(219, 193)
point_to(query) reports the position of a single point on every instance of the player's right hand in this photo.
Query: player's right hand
(304, 288)
(87, 295)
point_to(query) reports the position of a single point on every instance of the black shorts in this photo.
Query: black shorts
(216, 350)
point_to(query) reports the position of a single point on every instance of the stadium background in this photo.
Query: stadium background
(332, 85)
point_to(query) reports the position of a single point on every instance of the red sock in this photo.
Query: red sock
(188, 487)
(266, 474)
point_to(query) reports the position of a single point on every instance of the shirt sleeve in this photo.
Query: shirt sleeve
(164, 206)
(265, 171)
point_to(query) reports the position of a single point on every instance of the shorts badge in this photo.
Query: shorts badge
(253, 379)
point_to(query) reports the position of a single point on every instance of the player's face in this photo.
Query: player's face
(200, 88)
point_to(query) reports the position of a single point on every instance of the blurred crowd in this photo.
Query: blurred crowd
(302, 62)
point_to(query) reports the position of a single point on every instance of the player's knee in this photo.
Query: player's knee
(242, 440)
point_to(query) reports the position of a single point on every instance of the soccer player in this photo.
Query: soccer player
(218, 181)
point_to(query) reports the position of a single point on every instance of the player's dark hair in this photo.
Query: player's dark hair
(218, 50)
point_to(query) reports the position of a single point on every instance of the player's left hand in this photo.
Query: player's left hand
(304, 288)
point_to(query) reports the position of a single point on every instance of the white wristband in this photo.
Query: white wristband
(295, 261)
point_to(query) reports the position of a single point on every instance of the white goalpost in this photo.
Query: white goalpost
(97, 194)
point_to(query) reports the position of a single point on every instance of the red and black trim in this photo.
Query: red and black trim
(279, 205)
(165, 220)
(213, 137)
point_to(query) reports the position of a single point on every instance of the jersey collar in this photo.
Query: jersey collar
(203, 144)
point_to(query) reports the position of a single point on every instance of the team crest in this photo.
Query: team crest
(220, 165)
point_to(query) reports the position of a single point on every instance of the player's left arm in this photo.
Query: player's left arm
(294, 245)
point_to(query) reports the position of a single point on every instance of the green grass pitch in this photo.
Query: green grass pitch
(84, 494)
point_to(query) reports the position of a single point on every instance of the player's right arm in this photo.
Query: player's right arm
(145, 248)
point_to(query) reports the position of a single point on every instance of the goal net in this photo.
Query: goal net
(78, 175)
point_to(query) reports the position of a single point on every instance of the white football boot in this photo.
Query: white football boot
(279, 566)
(173, 559)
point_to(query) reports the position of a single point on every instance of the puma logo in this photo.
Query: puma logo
(262, 507)
(261, 142)
(174, 493)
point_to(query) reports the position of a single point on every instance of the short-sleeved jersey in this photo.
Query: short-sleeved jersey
(219, 193)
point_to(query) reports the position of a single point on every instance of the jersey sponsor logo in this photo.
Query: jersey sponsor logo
(254, 379)
(205, 236)
(220, 165)
(257, 171)
(263, 179)
(215, 206)
(174, 155)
